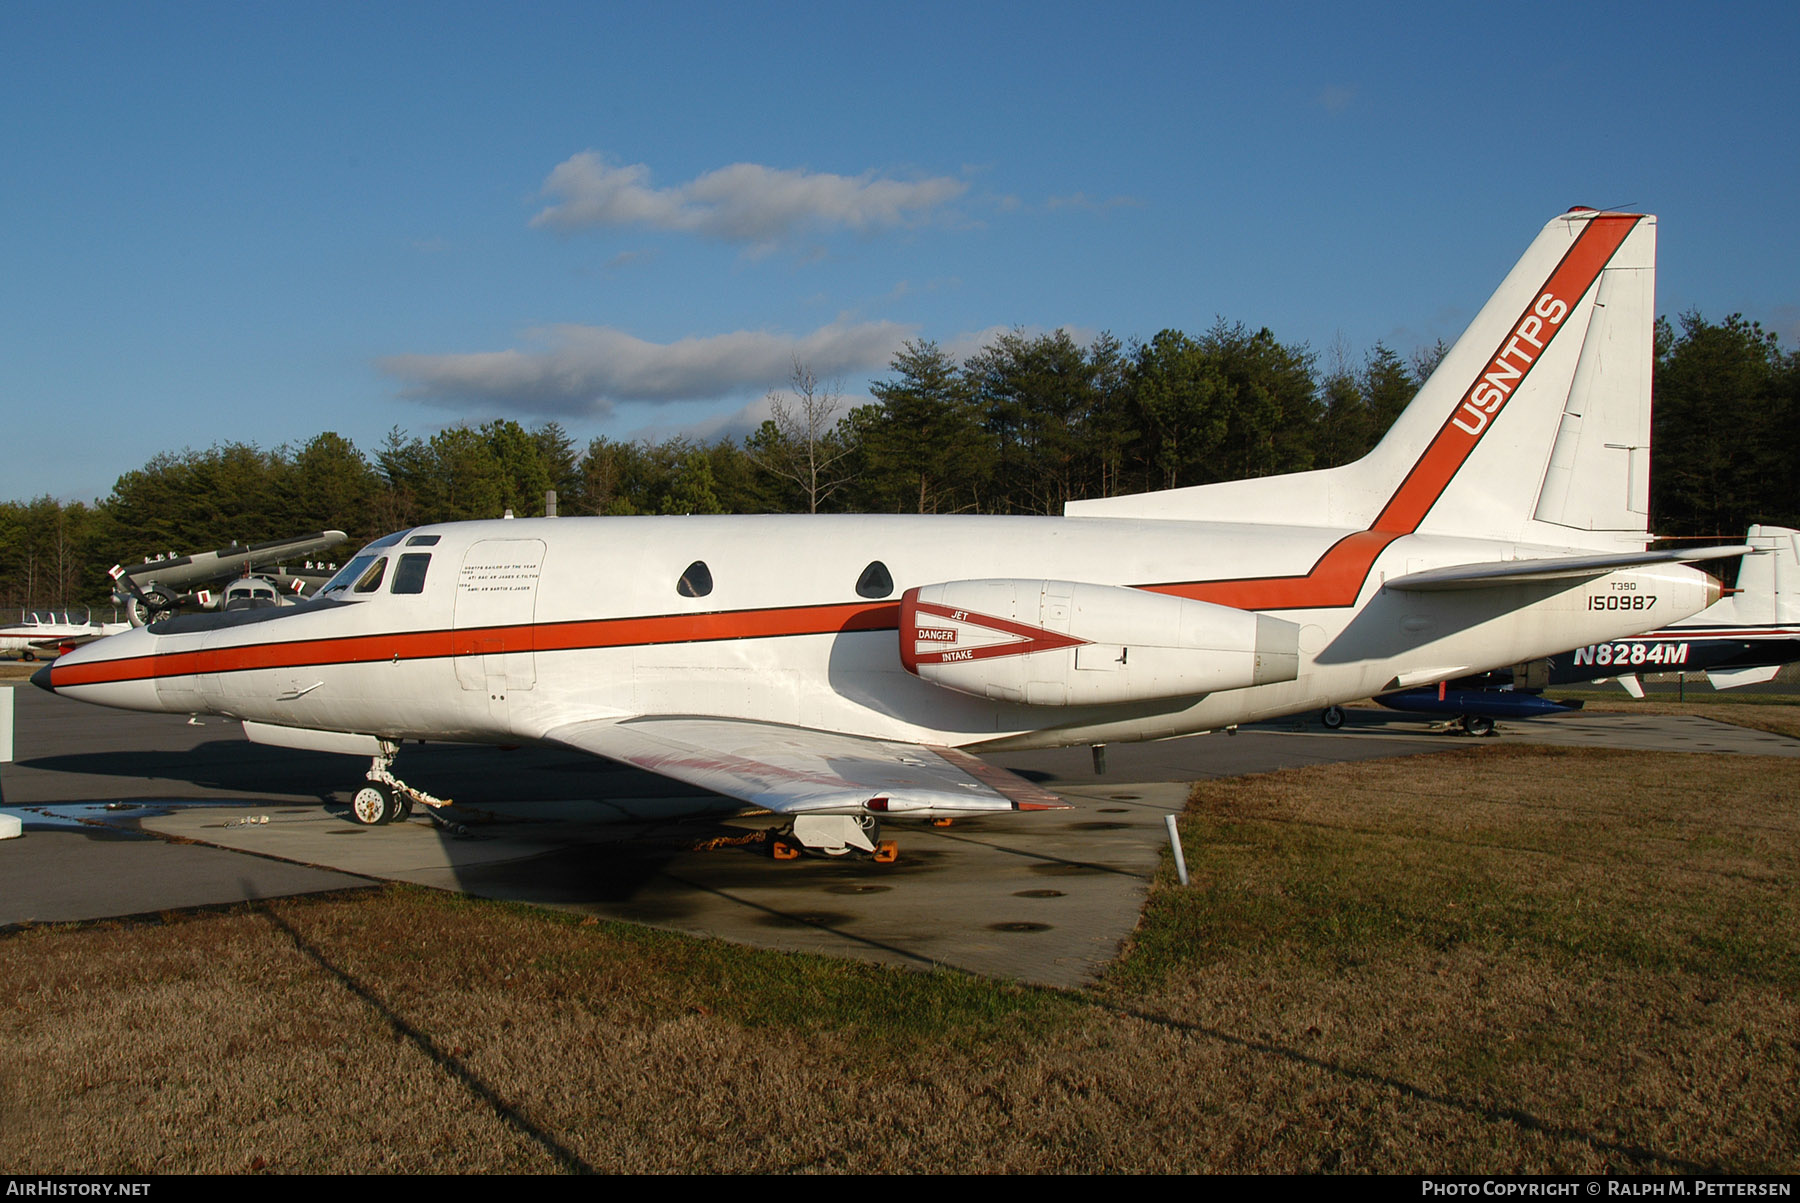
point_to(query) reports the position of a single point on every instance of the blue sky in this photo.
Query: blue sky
(254, 222)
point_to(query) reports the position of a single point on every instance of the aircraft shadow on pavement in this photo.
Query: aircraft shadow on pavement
(611, 862)
(477, 775)
(218, 767)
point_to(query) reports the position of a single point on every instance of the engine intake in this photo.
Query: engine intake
(1072, 643)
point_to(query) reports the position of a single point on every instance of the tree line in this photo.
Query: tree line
(1022, 426)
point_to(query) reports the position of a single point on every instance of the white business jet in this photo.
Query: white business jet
(839, 671)
(42, 636)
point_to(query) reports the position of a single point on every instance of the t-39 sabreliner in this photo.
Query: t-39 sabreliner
(842, 670)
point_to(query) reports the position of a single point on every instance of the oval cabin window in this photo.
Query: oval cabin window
(875, 581)
(696, 581)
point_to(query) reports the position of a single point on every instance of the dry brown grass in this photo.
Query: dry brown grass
(1503, 958)
(1540, 960)
(1780, 718)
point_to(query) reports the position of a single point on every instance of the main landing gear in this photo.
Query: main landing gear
(834, 835)
(384, 798)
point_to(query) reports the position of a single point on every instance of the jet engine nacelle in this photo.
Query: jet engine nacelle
(1071, 643)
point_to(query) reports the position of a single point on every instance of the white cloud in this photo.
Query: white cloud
(577, 371)
(742, 421)
(1335, 98)
(731, 425)
(745, 202)
(961, 347)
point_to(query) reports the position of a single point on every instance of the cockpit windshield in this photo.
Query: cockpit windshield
(363, 576)
(347, 575)
(370, 581)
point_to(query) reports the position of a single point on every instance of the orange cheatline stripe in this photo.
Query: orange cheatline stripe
(425, 645)
(1335, 580)
(727, 624)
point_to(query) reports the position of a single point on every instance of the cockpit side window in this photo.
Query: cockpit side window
(409, 573)
(370, 581)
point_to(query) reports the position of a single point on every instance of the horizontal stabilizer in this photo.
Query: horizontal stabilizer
(1554, 568)
(797, 770)
(1734, 678)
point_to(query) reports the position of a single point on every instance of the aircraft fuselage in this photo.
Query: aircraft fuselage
(499, 631)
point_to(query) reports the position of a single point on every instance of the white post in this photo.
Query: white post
(1175, 847)
(11, 826)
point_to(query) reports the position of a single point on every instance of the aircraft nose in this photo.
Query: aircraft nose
(115, 671)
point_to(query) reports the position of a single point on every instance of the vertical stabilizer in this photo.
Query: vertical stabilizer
(1598, 478)
(1535, 427)
(1549, 394)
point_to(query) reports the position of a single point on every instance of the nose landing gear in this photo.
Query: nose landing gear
(384, 798)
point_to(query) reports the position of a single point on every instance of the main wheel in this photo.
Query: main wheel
(372, 804)
(1478, 724)
(1332, 717)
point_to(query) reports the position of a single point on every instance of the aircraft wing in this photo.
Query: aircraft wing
(1551, 568)
(50, 640)
(204, 567)
(53, 642)
(796, 770)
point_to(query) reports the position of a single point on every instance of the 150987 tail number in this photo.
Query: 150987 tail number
(1621, 601)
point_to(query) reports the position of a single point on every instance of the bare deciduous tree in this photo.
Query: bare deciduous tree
(802, 441)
